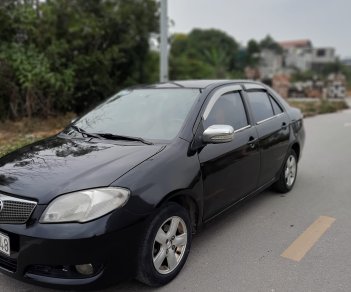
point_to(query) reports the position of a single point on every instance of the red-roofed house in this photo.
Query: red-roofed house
(296, 44)
(298, 54)
(301, 55)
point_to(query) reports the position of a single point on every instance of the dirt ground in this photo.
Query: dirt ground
(15, 134)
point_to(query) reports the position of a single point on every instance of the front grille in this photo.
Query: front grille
(8, 263)
(14, 210)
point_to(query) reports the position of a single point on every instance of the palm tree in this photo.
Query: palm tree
(219, 60)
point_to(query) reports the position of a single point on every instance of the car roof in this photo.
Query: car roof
(200, 84)
(213, 83)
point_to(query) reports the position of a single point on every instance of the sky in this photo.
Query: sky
(327, 23)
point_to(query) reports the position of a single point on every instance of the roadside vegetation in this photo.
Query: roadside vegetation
(314, 107)
(59, 57)
(62, 56)
(16, 134)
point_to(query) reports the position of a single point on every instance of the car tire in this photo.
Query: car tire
(288, 174)
(165, 246)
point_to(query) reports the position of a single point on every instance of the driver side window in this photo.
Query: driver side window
(228, 110)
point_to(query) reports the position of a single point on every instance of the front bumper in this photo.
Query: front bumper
(46, 254)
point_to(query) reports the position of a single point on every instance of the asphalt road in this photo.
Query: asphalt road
(241, 250)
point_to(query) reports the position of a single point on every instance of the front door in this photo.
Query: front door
(229, 170)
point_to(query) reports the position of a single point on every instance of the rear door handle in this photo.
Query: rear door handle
(284, 125)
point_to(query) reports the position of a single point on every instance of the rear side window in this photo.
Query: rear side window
(260, 105)
(276, 107)
(228, 110)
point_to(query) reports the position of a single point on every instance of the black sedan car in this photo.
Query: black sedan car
(119, 193)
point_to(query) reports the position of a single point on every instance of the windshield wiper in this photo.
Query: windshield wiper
(109, 136)
(83, 132)
(121, 137)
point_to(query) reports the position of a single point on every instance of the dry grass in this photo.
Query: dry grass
(16, 134)
(316, 106)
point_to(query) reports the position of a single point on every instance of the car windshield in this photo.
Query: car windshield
(145, 113)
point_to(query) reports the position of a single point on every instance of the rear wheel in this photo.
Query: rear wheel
(288, 175)
(166, 246)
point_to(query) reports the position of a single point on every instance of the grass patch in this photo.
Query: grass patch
(314, 107)
(16, 134)
(27, 126)
(13, 144)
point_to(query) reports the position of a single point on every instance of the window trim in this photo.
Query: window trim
(270, 99)
(217, 95)
(253, 86)
(226, 90)
(242, 129)
(270, 118)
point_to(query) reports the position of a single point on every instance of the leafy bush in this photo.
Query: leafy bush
(316, 106)
(59, 55)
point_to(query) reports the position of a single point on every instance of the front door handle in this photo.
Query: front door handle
(252, 142)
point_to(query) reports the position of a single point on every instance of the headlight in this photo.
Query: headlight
(85, 205)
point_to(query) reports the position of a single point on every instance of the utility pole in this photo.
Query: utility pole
(164, 42)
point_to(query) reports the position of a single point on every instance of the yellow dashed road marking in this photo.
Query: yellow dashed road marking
(298, 249)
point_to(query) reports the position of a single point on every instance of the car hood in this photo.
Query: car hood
(61, 165)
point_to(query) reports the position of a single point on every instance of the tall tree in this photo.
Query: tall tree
(73, 52)
(213, 51)
(269, 43)
(253, 53)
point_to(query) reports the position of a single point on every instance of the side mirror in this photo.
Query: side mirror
(218, 134)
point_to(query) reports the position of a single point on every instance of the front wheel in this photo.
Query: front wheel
(288, 175)
(166, 246)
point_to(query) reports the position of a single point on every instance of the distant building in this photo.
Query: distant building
(321, 57)
(270, 63)
(301, 55)
(276, 67)
(297, 54)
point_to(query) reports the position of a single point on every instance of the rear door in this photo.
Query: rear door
(272, 124)
(229, 170)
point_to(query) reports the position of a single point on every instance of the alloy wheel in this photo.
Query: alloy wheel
(290, 170)
(169, 245)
